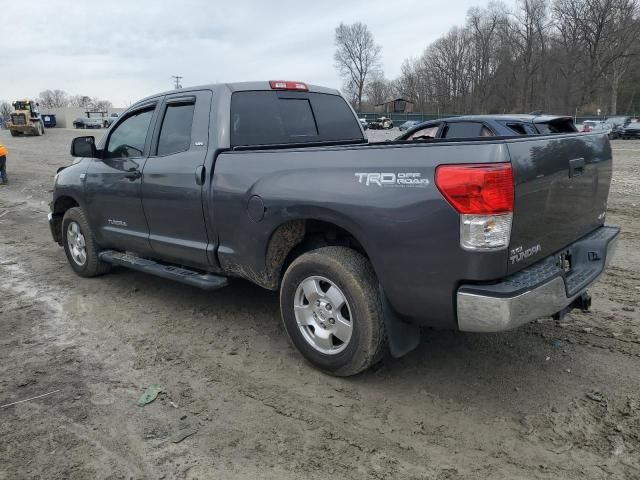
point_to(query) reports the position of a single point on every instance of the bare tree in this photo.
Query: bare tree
(102, 105)
(528, 40)
(607, 33)
(356, 56)
(5, 111)
(566, 56)
(378, 89)
(485, 26)
(54, 99)
(82, 101)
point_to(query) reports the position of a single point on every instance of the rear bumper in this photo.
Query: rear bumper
(542, 290)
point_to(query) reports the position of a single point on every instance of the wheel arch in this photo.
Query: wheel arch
(59, 207)
(292, 238)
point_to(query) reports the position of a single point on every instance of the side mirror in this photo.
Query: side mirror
(84, 147)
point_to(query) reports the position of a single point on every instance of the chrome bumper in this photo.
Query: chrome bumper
(493, 310)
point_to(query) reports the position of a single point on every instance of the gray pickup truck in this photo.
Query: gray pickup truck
(275, 182)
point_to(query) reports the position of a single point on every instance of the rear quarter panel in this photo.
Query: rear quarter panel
(410, 233)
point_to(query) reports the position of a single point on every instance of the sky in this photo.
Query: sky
(124, 50)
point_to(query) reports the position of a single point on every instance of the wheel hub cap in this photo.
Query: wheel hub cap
(76, 242)
(323, 315)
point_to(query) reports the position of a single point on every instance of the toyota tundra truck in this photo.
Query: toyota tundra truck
(276, 183)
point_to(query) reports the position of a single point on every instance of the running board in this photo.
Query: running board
(205, 281)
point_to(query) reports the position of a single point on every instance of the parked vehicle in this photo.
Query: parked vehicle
(363, 122)
(110, 119)
(84, 122)
(25, 119)
(408, 124)
(631, 131)
(381, 123)
(618, 125)
(275, 182)
(473, 126)
(603, 127)
(49, 120)
(590, 126)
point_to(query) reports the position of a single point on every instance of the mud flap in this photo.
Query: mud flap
(403, 337)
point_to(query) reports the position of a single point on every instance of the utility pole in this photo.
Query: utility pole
(177, 78)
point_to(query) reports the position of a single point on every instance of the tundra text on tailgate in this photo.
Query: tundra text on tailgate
(275, 182)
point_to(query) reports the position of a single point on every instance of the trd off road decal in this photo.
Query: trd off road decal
(390, 179)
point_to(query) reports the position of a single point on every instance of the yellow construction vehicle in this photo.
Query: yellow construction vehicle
(26, 119)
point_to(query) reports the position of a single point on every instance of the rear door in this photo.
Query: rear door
(561, 190)
(173, 177)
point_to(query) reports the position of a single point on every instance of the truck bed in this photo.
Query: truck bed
(385, 196)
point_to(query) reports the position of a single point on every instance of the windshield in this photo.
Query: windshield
(21, 105)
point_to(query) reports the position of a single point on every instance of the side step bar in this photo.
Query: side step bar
(205, 281)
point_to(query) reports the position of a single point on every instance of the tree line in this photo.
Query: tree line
(557, 56)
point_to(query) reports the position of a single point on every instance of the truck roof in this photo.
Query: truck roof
(237, 87)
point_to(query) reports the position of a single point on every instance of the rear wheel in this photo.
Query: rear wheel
(332, 310)
(80, 246)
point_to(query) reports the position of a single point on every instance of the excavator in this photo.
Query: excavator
(26, 119)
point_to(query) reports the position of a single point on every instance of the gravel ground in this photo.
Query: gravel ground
(549, 400)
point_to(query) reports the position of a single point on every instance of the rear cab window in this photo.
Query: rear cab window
(263, 118)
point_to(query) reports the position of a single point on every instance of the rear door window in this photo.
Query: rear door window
(175, 134)
(274, 118)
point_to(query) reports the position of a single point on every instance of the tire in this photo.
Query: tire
(92, 265)
(350, 275)
(13, 133)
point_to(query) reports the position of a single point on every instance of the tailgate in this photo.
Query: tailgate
(561, 189)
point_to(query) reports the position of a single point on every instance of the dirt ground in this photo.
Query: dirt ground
(550, 400)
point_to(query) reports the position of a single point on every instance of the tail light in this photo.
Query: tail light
(482, 193)
(287, 85)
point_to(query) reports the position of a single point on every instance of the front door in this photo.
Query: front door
(113, 184)
(173, 177)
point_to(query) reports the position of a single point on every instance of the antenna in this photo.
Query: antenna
(177, 79)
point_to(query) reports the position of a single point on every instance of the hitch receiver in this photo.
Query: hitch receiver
(583, 302)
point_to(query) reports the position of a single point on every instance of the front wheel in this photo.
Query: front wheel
(332, 311)
(80, 246)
